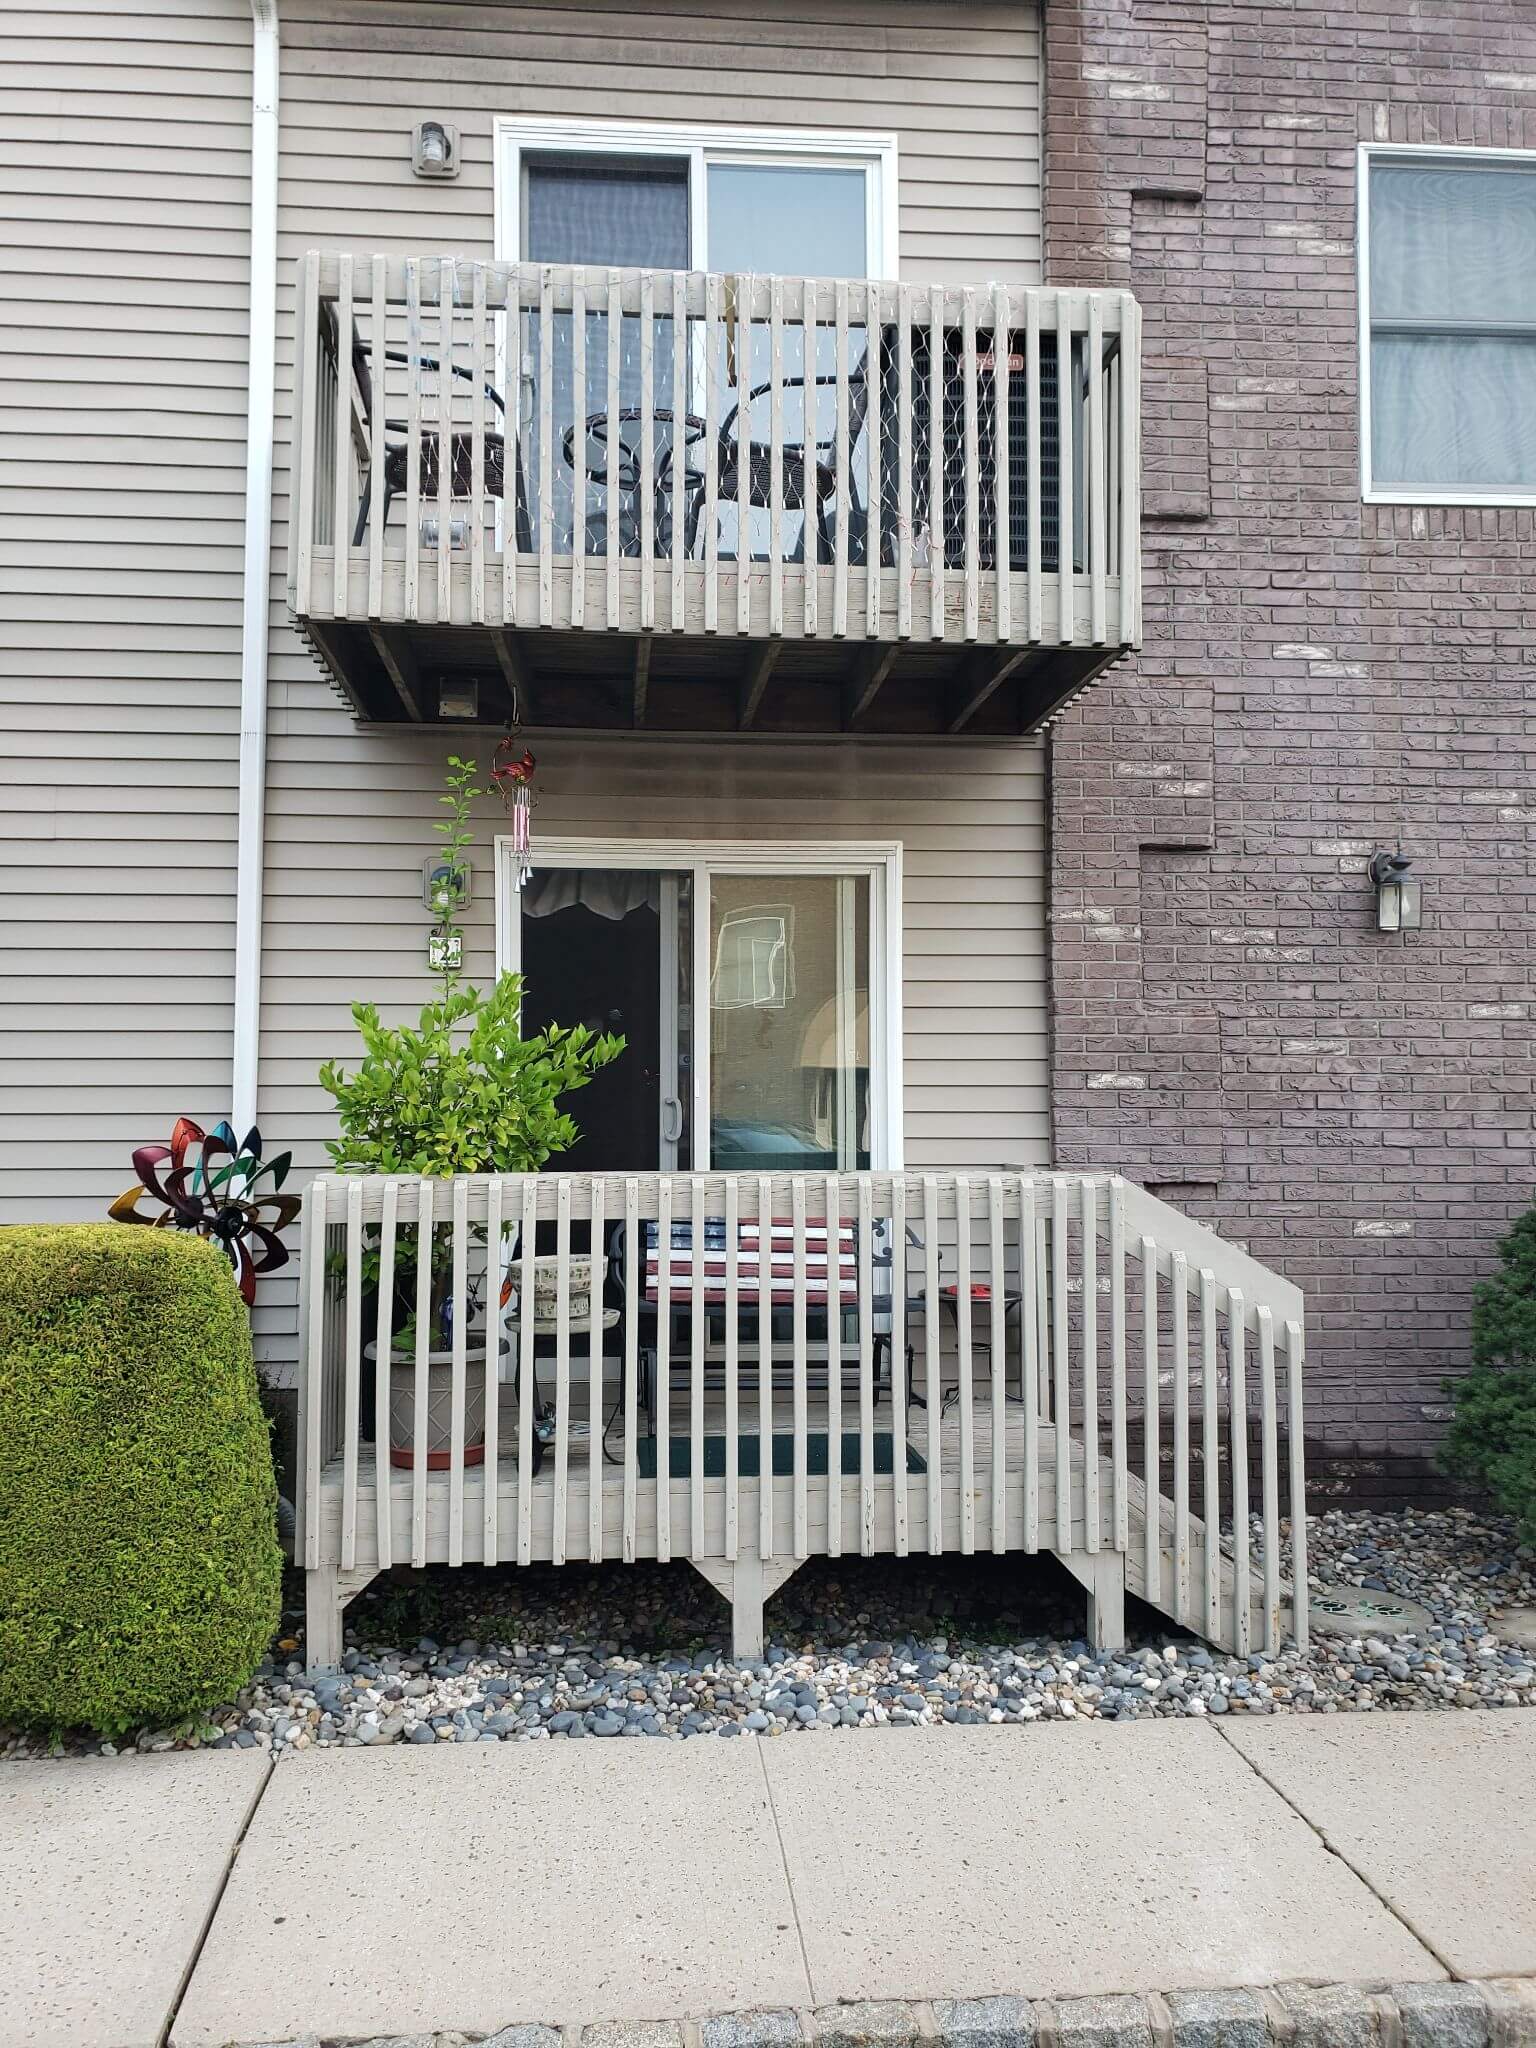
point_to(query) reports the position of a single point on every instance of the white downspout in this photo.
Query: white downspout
(258, 560)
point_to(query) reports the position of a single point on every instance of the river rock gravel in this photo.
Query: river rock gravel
(642, 1651)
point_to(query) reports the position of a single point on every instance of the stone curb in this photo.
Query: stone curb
(1496, 2013)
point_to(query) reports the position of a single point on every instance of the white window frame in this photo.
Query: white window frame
(700, 144)
(879, 861)
(1410, 152)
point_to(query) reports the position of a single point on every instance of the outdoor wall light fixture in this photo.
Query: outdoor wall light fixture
(1398, 907)
(435, 150)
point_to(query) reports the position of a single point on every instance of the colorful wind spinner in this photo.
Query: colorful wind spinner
(221, 1203)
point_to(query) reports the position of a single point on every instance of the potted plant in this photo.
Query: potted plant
(459, 1091)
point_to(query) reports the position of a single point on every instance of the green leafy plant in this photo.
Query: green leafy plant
(140, 1573)
(457, 834)
(1492, 1441)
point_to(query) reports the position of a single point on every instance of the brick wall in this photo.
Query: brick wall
(1319, 677)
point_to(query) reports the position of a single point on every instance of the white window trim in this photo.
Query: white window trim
(699, 143)
(879, 860)
(1401, 152)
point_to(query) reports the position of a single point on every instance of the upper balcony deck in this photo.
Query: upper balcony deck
(711, 503)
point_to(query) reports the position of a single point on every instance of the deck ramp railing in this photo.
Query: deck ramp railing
(546, 445)
(869, 1363)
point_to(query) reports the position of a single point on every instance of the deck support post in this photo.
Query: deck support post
(326, 1593)
(747, 1583)
(1102, 1574)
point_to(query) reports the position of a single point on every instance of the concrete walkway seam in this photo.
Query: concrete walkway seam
(1333, 1850)
(1494, 2013)
(214, 1904)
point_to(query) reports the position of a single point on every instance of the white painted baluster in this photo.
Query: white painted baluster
(1002, 456)
(447, 283)
(1294, 1350)
(904, 461)
(413, 375)
(1061, 1365)
(595, 1376)
(1178, 1290)
(514, 451)
(562, 1362)
(698, 1231)
(776, 457)
(713, 331)
(664, 1368)
(1270, 1480)
(546, 446)
(899, 1388)
(1066, 400)
(937, 439)
(378, 401)
(744, 453)
(765, 1537)
(634, 1287)
(647, 470)
(1152, 1429)
(933, 1378)
(1090, 1337)
(495, 1282)
(341, 512)
(732, 1360)
(832, 1280)
(1094, 472)
(972, 467)
(352, 1375)
(1032, 461)
(798, 1356)
(1130, 470)
(425, 1244)
(997, 1335)
(864, 1225)
(965, 1365)
(682, 370)
(527, 1422)
(579, 450)
(477, 406)
(840, 460)
(458, 1347)
(382, 1343)
(810, 551)
(874, 462)
(1210, 1452)
(313, 1281)
(1029, 1332)
(1237, 1422)
(612, 428)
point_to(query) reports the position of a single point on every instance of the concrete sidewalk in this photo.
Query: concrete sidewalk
(394, 1891)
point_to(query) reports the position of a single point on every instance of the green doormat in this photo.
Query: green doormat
(748, 1462)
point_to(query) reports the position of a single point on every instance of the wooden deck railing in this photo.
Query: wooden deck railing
(875, 1362)
(536, 446)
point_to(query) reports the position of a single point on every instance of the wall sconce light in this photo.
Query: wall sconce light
(1398, 907)
(435, 150)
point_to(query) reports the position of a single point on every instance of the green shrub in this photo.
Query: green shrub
(1493, 1439)
(139, 1565)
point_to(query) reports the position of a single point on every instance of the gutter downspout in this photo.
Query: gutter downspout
(256, 597)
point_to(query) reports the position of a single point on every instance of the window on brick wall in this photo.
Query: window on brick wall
(1448, 293)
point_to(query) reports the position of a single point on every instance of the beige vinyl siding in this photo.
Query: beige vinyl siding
(124, 167)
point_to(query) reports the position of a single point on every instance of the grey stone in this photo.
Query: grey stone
(524, 2037)
(1114, 2022)
(1218, 2019)
(1331, 2016)
(633, 2034)
(986, 2022)
(771, 2029)
(1443, 2015)
(886, 2022)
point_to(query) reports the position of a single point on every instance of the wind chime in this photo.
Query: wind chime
(512, 769)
